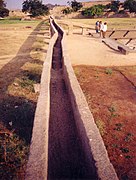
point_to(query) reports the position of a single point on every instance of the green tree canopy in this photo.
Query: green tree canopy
(113, 6)
(93, 11)
(35, 7)
(75, 5)
(130, 5)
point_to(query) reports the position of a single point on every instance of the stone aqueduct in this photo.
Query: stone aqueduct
(95, 162)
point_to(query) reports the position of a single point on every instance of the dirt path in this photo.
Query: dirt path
(66, 157)
(89, 51)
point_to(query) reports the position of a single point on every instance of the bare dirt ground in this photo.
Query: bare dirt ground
(108, 80)
(90, 51)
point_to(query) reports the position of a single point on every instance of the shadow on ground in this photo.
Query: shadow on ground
(13, 68)
(17, 113)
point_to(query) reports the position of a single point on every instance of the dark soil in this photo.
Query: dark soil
(66, 157)
(111, 96)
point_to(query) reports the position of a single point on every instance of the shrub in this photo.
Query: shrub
(113, 6)
(130, 5)
(108, 71)
(67, 11)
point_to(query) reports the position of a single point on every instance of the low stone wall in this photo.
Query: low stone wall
(88, 132)
(38, 159)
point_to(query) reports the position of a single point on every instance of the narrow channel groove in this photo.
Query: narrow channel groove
(66, 160)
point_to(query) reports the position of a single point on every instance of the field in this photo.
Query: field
(23, 47)
(113, 23)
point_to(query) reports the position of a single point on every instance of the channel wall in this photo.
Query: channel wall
(38, 157)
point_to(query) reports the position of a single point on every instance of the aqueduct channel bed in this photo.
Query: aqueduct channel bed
(66, 157)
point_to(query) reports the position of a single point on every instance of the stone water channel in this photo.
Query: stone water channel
(66, 143)
(66, 156)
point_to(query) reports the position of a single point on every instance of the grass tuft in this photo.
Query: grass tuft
(108, 71)
(101, 126)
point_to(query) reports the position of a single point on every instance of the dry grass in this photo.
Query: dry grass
(13, 35)
(18, 101)
(117, 23)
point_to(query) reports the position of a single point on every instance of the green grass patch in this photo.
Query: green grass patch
(27, 83)
(108, 71)
(101, 126)
(17, 21)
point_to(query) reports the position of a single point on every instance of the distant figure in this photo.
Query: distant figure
(100, 28)
(97, 27)
(104, 29)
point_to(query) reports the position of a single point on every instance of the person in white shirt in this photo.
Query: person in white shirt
(104, 29)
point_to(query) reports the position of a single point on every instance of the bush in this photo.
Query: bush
(113, 6)
(130, 5)
(108, 71)
(67, 11)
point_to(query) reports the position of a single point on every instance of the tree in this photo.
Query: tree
(35, 7)
(75, 5)
(3, 11)
(2, 4)
(113, 6)
(93, 11)
(130, 5)
(67, 11)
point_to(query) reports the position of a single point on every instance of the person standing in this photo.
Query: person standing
(100, 28)
(97, 27)
(104, 29)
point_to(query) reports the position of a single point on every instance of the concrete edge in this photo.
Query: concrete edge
(117, 50)
(120, 47)
(87, 129)
(37, 165)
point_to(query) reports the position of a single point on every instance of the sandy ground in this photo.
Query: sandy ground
(12, 40)
(91, 51)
